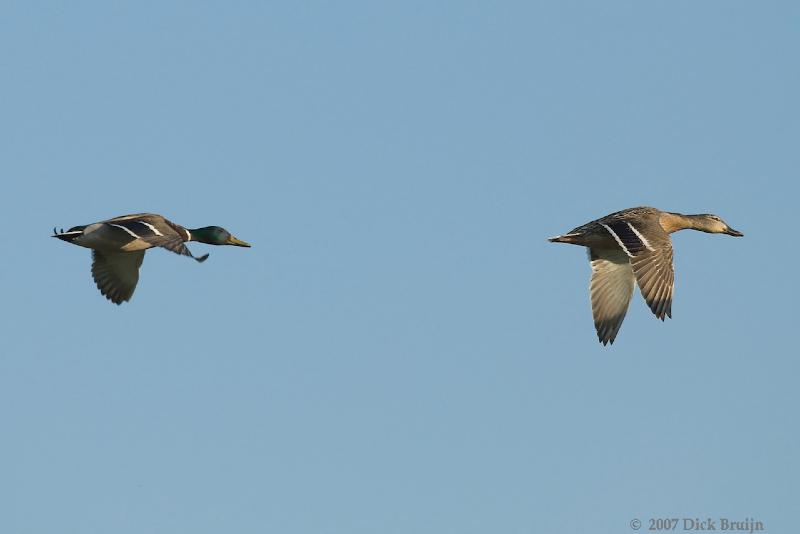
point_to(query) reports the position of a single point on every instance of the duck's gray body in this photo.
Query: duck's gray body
(118, 246)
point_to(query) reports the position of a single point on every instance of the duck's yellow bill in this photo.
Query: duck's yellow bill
(237, 242)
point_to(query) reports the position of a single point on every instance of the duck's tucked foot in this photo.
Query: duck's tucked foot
(201, 259)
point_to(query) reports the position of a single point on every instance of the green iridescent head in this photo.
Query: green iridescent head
(216, 235)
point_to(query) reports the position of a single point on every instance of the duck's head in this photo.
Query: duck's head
(216, 235)
(713, 224)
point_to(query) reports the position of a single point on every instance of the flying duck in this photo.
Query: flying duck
(118, 247)
(633, 245)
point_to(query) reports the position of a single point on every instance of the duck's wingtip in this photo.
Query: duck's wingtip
(606, 340)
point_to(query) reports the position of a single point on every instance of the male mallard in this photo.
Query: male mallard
(118, 247)
(630, 245)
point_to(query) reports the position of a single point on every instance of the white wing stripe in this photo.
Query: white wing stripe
(155, 230)
(126, 229)
(641, 237)
(616, 237)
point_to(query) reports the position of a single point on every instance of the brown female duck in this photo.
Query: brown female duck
(633, 245)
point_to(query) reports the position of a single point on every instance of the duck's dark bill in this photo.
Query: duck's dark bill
(735, 233)
(237, 242)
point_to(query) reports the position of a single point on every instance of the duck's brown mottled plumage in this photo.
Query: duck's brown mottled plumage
(633, 246)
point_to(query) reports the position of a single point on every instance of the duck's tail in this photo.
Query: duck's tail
(566, 238)
(70, 235)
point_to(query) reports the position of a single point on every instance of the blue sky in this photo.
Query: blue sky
(401, 351)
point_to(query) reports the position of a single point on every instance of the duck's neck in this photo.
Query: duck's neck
(672, 222)
(199, 234)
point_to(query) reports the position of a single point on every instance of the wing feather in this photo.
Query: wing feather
(655, 275)
(611, 289)
(116, 273)
(156, 231)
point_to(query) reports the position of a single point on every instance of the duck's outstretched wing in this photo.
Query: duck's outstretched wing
(116, 273)
(649, 250)
(175, 244)
(156, 231)
(656, 278)
(611, 290)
